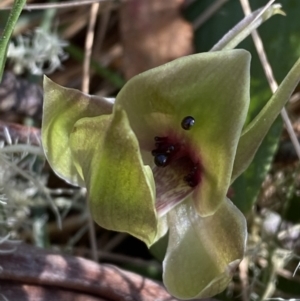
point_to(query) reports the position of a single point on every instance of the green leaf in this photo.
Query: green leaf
(62, 108)
(203, 252)
(211, 87)
(247, 186)
(120, 188)
(255, 132)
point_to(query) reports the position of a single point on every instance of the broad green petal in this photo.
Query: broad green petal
(211, 87)
(255, 132)
(121, 189)
(62, 108)
(203, 252)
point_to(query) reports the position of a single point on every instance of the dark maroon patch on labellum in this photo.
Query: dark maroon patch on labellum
(164, 151)
(168, 151)
(193, 177)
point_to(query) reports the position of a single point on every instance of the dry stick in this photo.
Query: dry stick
(208, 13)
(88, 47)
(270, 77)
(22, 148)
(187, 3)
(243, 268)
(57, 5)
(295, 97)
(115, 241)
(102, 27)
(85, 88)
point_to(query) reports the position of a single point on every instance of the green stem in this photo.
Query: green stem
(49, 15)
(8, 30)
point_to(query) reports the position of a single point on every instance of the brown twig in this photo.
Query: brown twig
(85, 88)
(57, 5)
(31, 266)
(243, 268)
(208, 13)
(101, 28)
(20, 133)
(88, 47)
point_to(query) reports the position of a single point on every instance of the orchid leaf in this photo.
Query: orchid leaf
(244, 28)
(246, 187)
(158, 100)
(255, 132)
(203, 253)
(62, 108)
(120, 188)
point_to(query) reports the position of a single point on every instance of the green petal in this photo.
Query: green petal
(211, 87)
(62, 108)
(203, 252)
(121, 189)
(255, 132)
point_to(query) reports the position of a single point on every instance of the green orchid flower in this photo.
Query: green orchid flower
(161, 158)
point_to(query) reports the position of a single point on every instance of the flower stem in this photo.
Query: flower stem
(8, 30)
